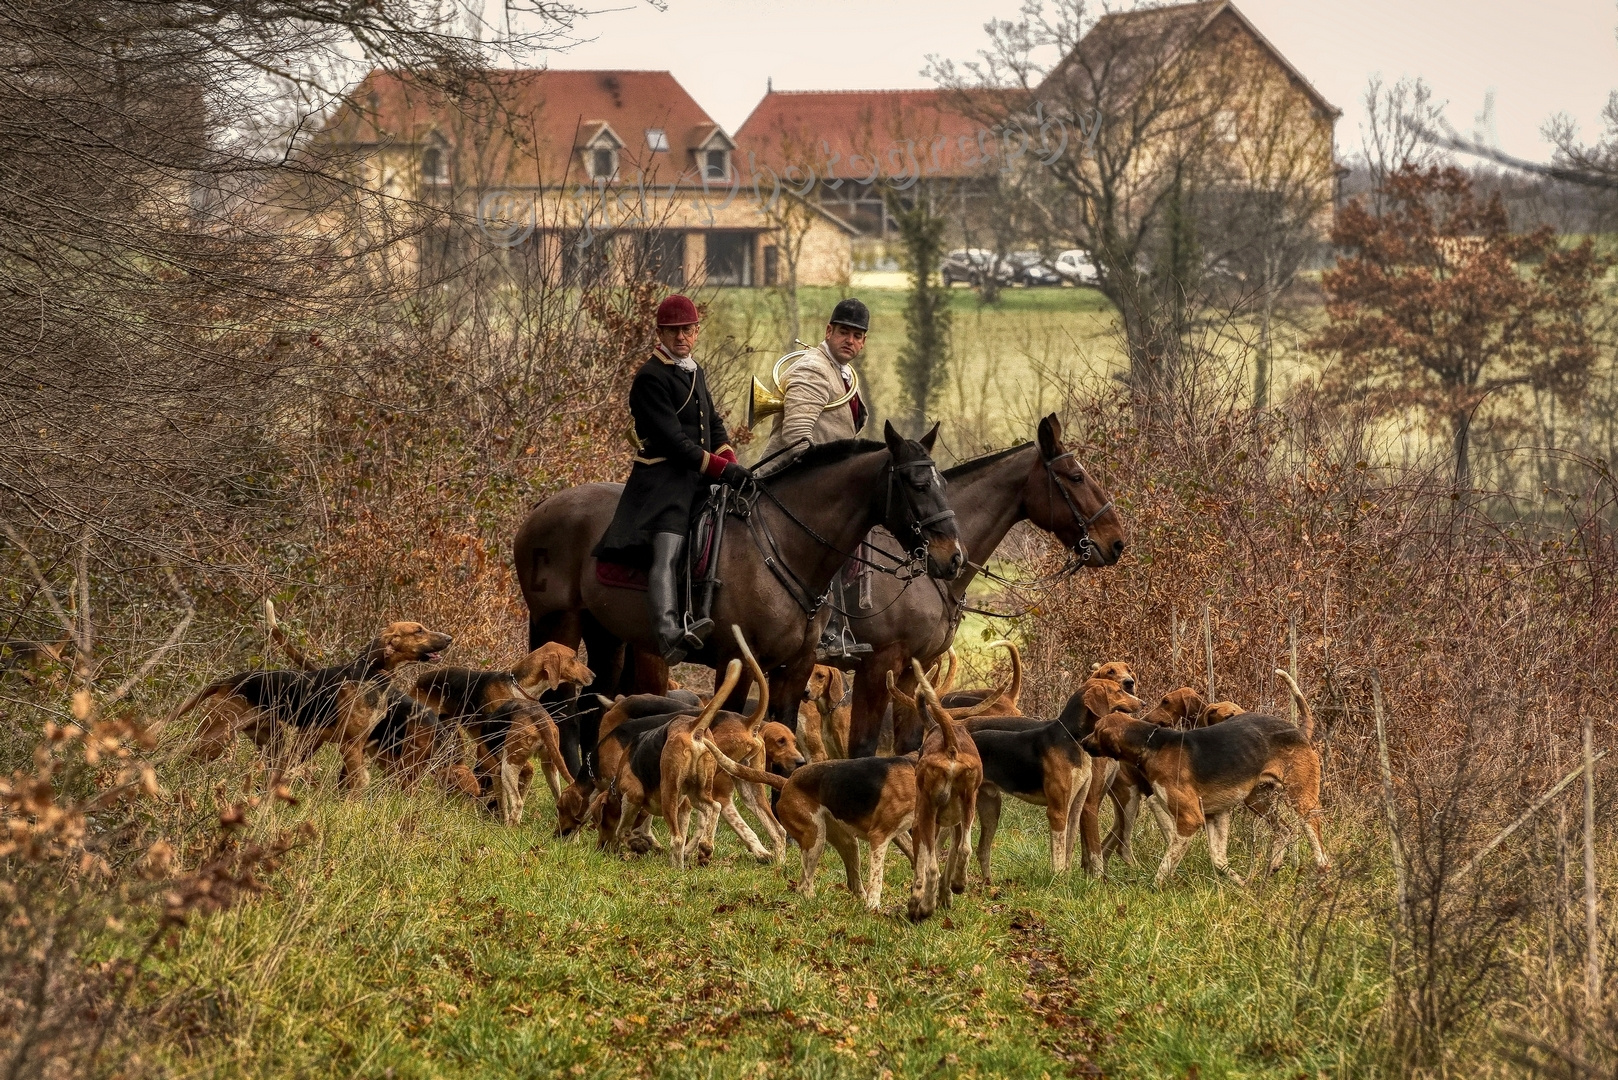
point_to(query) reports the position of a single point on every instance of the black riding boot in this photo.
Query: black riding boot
(837, 645)
(674, 638)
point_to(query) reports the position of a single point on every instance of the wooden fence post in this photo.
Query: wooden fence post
(1207, 645)
(1591, 925)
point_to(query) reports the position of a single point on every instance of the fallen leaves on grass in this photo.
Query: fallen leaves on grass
(1052, 996)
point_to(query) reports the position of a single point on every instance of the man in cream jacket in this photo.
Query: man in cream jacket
(808, 417)
(813, 383)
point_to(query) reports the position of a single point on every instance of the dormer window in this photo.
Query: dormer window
(599, 149)
(710, 153)
(434, 170)
(657, 140)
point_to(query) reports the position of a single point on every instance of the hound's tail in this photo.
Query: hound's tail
(1014, 693)
(946, 723)
(960, 712)
(947, 682)
(744, 772)
(279, 636)
(211, 690)
(762, 709)
(733, 673)
(1306, 719)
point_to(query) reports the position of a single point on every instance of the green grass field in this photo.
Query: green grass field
(1010, 362)
(415, 938)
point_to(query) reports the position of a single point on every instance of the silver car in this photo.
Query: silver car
(1077, 266)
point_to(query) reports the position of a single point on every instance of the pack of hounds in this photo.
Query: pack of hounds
(685, 759)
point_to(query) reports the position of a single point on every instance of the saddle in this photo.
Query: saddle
(701, 551)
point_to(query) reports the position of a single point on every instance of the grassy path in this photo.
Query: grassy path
(416, 940)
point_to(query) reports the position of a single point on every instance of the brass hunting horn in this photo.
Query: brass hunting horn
(766, 402)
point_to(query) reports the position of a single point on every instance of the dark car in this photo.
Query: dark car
(966, 264)
(1028, 268)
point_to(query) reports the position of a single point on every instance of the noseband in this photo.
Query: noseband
(1086, 547)
(893, 480)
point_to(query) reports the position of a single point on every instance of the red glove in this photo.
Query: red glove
(715, 464)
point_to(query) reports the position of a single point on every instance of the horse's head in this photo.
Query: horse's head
(1063, 498)
(913, 505)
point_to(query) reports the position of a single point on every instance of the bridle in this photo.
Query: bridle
(1078, 556)
(1086, 547)
(905, 568)
(919, 526)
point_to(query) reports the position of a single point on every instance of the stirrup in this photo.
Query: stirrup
(843, 647)
(696, 632)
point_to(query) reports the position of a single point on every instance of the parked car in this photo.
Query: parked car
(966, 264)
(1077, 266)
(1027, 268)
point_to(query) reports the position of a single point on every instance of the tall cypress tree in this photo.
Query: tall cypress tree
(923, 362)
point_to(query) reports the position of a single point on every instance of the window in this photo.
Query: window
(730, 258)
(662, 257)
(716, 164)
(603, 163)
(433, 170)
(772, 265)
(587, 259)
(657, 140)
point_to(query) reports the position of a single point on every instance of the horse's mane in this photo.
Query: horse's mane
(830, 453)
(967, 468)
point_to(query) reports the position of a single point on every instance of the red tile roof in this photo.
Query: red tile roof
(549, 115)
(860, 134)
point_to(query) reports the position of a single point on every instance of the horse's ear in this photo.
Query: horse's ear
(928, 439)
(1050, 437)
(891, 436)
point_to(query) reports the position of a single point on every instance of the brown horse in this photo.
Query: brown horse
(775, 564)
(1042, 482)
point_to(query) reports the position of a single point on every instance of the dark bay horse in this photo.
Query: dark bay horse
(1042, 482)
(774, 566)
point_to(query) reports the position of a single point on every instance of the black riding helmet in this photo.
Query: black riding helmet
(851, 313)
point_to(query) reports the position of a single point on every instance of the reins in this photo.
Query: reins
(904, 568)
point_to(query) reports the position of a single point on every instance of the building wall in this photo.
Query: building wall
(827, 256)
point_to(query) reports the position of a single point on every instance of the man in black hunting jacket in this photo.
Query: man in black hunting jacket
(683, 448)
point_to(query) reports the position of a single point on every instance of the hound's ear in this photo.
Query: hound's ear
(834, 687)
(1098, 699)
(928, 439)
(550, 669)
(1050, 437)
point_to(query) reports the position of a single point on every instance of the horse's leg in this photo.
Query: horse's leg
(871, 697)
(580, 732)
(644, 672)
(908, 727)
(786, 688)
(562, 626)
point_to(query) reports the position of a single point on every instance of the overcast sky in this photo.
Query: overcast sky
(1539, 57)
